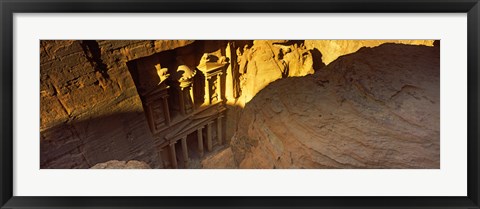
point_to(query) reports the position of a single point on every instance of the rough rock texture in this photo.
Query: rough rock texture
(377, 108)
(332, 49)
(115, 164)
(267, 61)
(221, 160)
(260, 62)
(76, 75)
(90, 111)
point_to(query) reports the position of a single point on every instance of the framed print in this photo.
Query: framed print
(266, 104)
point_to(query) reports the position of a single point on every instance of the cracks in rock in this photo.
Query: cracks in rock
(64, 107)
(283, 71)
(404, 88)
(322, 82)
(56, 94)
(363, 90)
(81, 146)
(326, 157)
(93, 54)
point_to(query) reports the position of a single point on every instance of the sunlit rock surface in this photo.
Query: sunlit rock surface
(332, 49)
(91, 111)
(115, 164)
(377, 108)
(221, 160)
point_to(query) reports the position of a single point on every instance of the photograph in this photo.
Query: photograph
(240, 104)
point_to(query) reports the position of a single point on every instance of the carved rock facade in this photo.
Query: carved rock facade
(166, 102)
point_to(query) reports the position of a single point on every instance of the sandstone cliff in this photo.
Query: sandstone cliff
(92, 111)
(332, 49)
(115, 164)
(376, 108)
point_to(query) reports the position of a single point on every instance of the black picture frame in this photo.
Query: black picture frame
(9, 7)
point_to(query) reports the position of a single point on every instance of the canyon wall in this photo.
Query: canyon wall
(332, 49)
(376, 108)
(91, 111)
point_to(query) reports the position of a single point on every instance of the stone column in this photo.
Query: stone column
(209, 136)
(219, 87)
(160, 158)
(151, 122)
(187, 100)
(185, 151)
(192, 96)
(207, 90)
(229, 90)
(200, 141)
(219, 130)
(166, 111)
(173, 155)
(182, 102)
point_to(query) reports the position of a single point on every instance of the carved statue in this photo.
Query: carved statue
(187, 75)
(222, 60)
(205, 58)
(212, 59)
(162, 73)
(184, 74)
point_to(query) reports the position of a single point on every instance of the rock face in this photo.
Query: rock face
(77, 74)
(376, 108)
(267, 61)
(91, 110)
(221, 160)
(332, 49)
(115, 164)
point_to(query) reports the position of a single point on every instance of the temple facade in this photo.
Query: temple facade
(184, 104)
